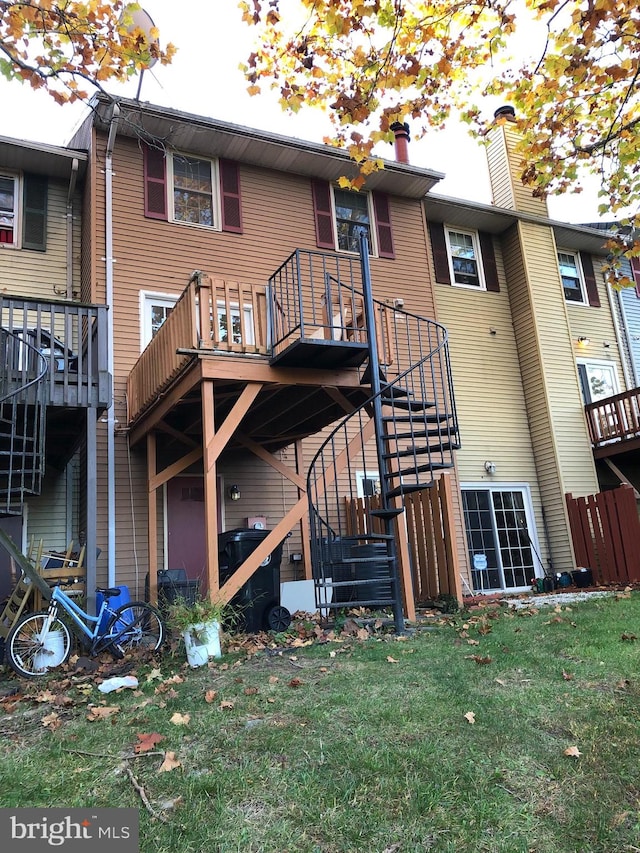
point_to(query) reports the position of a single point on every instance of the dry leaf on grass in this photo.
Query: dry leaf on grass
(470, 717)
(567, 675)
(147, 741)
(226, 705)
(52, 721)
(102, 712)
(170, 763)
(391, 660)
(295, 682)
(479, 659)
(210, 696)
(180, 719)
(572, 752)
(155, 674)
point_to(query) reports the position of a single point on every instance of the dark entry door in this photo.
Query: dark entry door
(186, 524)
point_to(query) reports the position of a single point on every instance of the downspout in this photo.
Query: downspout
(111, 421)
(72, 188)
(628, 382)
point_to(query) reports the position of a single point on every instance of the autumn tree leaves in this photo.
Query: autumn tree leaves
(372, 62)
(72, 47)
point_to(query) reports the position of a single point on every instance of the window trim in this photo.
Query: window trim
(216, 207)
(475, 237)
(581, 277)
(585, 362)
(373, 236)
(510, 486)
(18, 208)
(148, 298)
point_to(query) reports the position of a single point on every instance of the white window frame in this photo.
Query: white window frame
(215, 193)
(484, 486)
(583, 289)
(148, 299)
(373, 238)
(247, 310)
(17, 208)
(602, 364)
(475, 239)
(361, 476)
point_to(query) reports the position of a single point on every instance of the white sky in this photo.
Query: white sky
(204, 79)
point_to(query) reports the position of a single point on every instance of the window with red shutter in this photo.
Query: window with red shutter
(323, 214)
(230, 196)
(635, 272)
(440, 253)
(383, 225)
(155, 183)
(590, 280)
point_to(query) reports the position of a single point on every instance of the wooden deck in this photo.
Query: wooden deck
(614, 424)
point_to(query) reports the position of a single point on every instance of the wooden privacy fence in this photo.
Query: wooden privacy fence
(427, 524)
(605, 530)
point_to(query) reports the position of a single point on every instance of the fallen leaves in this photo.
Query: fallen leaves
(102, 712)
(147, 741)
(572, 752)
(169, 763)
(481, 660)
(180, 719)
(470, 717)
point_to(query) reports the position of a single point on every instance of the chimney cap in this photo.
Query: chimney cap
(507, 112)
(400, 129)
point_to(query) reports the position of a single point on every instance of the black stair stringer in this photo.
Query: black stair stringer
(22, 421)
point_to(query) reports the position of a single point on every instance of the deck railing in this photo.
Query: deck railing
(614, 419)
(214, 315)
(71, 336)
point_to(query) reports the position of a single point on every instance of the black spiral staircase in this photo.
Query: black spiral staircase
(401, 432)
(22, 421)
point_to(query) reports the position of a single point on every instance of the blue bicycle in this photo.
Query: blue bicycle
(42, 641)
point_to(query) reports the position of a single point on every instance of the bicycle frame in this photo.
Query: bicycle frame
(81, 619)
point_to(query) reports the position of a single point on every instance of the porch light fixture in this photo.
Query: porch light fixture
(490, 467)
(584, 341)
(234, 493)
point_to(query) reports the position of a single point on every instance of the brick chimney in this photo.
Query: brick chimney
(505, 167)
(401, 130)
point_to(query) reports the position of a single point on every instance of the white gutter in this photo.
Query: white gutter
(72, 187)
(111, 420)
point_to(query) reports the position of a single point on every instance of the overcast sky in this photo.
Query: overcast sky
(204, 79)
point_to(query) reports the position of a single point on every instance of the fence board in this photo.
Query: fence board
(605, 530)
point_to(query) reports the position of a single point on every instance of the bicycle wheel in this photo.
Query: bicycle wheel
(136, 625)
(30, 652)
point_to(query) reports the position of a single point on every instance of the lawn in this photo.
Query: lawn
(497, 730)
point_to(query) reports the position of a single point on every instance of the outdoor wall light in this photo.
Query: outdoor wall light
(234, 493)
(584, 341)
(490, 467)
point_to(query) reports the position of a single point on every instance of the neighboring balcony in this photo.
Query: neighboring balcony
(614, 424)
(72, 338)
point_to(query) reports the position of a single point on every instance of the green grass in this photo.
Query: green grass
(341, 750)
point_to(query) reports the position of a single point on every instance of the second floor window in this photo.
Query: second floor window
(193, 197)
(571, 275)
(353, 220)
(464, 258)
(8, 203)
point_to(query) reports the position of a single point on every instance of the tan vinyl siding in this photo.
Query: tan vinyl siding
(158, 256)
(488, 386)
(48, 514)
(25, 272)
(505, 169)
(558, 428)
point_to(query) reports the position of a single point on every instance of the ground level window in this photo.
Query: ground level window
(497, 524)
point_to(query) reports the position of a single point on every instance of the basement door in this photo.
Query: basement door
(186, 544)
(498, 523)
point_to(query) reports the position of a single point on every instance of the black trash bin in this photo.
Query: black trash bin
(258, 600)
(173, 584)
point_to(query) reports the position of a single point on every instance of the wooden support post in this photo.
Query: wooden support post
(210, 491)
(404, 563)
(152, 521)
(448, 526)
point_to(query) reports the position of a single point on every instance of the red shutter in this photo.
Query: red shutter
(155, 183)
(439, 249)
(230, 194)
(489, 262)
(590, 280)
(323, 214)
(383, 225)
(635, 272)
